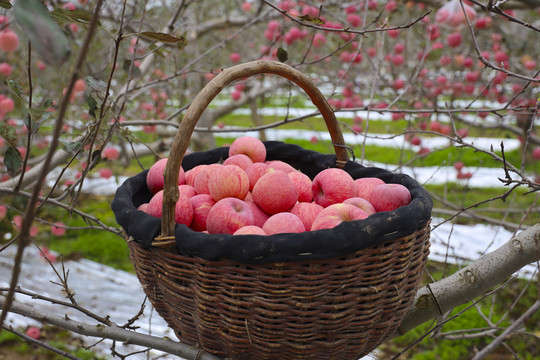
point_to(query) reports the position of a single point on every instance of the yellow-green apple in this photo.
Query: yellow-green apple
(250, 146)
(183, 211)
(241, 160)
(361, 203)
(364, 186)
(388, 197)
(332, 186)
(280, 165)
(201, 180)
(284, 222)
(228, 215)
(335, 214)
(155, 179)
(192, 173)
(255, 171)
(201, 204)
(228, 181)
(302, 183)
(250, 230)
(275, 192)
(307, 212)
(259, 216)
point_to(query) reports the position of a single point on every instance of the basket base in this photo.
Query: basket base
(339, 308)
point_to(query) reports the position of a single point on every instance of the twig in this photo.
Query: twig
(24, 238)
(41, 344)
(113, 333)
(509, 330)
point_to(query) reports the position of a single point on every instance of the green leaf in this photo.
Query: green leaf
(39, 115)
(5, 4)
(15, 88)
(135, 71)
(12, 160)
(92, 106)
(63, 16)
(311, 19)
(162, 37)
(9, 133)
(71, 147)
(434, 55)
(282, 54)
(45, 35)
(96, 84)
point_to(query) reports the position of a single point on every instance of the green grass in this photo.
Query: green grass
(374, 126)
(387, 155)
(94, 244)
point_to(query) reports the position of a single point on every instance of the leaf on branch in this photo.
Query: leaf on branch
(15, 88)
(434, 55)
(162, 37)
(135, 71)
(45, 35)
(71, 147)
(63, 16)
(96, 84)
(12, 160)
(92, 106)
(9, 133)
(38, 115)
(5, 4)
(311, 19)
(282, 54)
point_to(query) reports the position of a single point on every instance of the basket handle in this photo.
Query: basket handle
(203, 99)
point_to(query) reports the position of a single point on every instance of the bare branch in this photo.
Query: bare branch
(474, 280)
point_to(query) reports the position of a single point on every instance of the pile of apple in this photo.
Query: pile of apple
(248, 195)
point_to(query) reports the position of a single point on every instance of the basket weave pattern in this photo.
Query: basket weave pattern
(342, 308)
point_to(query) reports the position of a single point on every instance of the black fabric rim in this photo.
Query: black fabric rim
(346, 238)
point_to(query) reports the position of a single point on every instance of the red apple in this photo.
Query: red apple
(335, 214)
(228, 215)
(187, 190)
(307, 212)
(284, 222)
(536, 153)
(275, 192)
(183, 211)
(302, 183)
(250, 230)
(332, 186)
(361, 203)
(155, 179)
(191, 174)
(241, 160)
(201, 180)
(255, 171)
(250, 146)
(228, 181)
(388, 197)
(201, 204)
(143, 207)
(364, 186)
(280, 165)
(259, 216)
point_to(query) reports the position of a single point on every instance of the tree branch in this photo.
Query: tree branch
(435, 299)
(113, 333)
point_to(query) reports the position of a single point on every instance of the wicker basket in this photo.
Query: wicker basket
(314, 307)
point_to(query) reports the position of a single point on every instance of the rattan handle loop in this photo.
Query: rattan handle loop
(201, 102)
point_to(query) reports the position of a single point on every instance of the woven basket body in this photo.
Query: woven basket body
(337, 308)
(326, 294)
